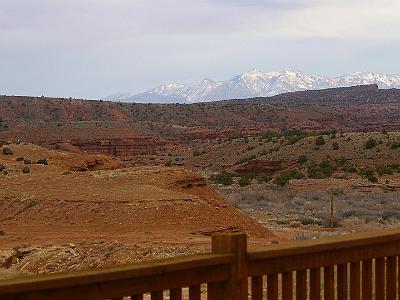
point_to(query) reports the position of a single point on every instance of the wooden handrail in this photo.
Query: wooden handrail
(199, 265)
(226, 271)
(362, 239)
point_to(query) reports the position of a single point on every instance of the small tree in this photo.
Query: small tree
(320, 141)
(302, 159)
(244, 180)
(371, 143)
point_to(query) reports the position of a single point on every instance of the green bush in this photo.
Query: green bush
(395, 145)
(371, 143)
(349, 169)
(168, 162)
(324, 169)
(320, 141)
(263, 178)
(384, 170)
(223, 178)
(270, 135)
(366, 172)
(7, 151)
(244, 180)
(196, 153)
(245, 159)
(286, 176)
(302, 159)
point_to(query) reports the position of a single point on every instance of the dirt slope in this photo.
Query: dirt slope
(145, 207)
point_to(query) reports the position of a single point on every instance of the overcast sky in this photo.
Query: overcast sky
(93, 48)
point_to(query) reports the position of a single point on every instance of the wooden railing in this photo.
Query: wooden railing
(356, 266)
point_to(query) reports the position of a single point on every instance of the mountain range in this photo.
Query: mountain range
(253, 84)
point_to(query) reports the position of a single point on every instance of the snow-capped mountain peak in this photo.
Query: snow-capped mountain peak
(254, 83)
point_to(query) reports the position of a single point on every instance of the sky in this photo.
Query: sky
(93, 48)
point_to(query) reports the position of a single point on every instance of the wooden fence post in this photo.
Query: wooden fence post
(237, 287)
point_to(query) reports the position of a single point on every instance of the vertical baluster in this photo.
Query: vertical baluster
(194, 292)
(157, 295)
(355, 280)
(287, 286)
(391, 265)
(342, 282)
(367, 279)
(380, 278)
(175, 294)
(137, 297)
(257, 288)
(301, 285)
(315, 284)
(329, 283)
(272, 286)
(215, 292)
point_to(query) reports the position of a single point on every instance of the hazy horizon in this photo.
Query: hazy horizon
(91, 49)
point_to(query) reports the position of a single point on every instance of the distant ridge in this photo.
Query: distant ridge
(253, 84)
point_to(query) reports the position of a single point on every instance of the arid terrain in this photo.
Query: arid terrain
(86, 184)
(80, 211)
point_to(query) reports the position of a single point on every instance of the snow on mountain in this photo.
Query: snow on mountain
(253, 84)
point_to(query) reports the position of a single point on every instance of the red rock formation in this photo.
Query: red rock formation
(122, 147)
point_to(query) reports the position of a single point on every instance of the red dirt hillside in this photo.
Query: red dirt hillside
(153, 207)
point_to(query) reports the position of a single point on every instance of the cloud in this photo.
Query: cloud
(91, 48)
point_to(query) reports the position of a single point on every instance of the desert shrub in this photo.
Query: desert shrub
(286, 176)
(168, 162)
(223, 178)
(26, 170)
(245, 159)
(395, 145)
(384, 170)
(20, 158)
(302, 159)
(42, 161)
(324, 169)
(371, 143)
(27, 161)
(7, 151)
(335, 146)
(395, 168)
(270, 135)
(295, 224)
(320, 141)
(244, 180)
(349, 169)
(310, 220)
(384, 131)
(263, 178)
(293, 136)
(341, 161)
(196, 153)
(366, 172)
(369, 174)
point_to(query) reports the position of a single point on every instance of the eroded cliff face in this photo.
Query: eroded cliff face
(122, 147)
